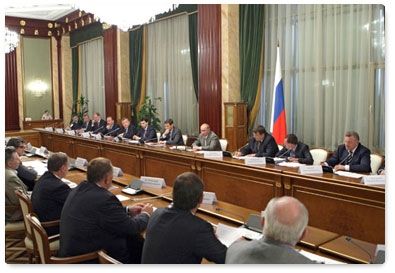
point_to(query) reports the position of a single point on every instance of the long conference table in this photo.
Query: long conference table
(337, 204)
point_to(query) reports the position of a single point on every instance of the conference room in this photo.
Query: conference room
(208, 64)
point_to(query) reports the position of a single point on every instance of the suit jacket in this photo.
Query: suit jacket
(150, 134)
(302, 152)
(212, 142)
(130, 132)
(113, 131)
(87, 126)
(12, 183)
(99, 127)
(264, 251)
(176, 236)
(93, 218)
(48, 198)
(267, 148)
(360, 161)
(174, 137)
(28, 176)
(76, 125)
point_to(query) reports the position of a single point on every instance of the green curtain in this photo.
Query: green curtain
(75, 72)
(251, 55)
(136, 62)
(193, 45)
(89, 32)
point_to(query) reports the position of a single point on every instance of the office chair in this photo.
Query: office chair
(224, 144)
(27, 207)
(185, 138)
(376, 160)
(43, 245)
(319, 155)
(104, 258)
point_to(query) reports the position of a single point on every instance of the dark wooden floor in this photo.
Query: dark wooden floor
(15, 251)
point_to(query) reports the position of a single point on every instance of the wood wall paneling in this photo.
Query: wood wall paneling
(110, 70)
(209, 67)
(11, 93)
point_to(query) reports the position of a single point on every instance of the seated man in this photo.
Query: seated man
(128, 130)
(76, 124)
(171, 135)
(98, 125)
(112, 128)
(86, 125)
(262, 144)
(146, 133)
(175, 235)
(93, 218)
(12, 183)
(207, 140)
(351, 156)
(284, 224)
(295, 151)
(28, 176)
(51, 192)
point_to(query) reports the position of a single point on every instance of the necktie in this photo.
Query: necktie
(292, 154)
(126, 131)
(349, 158)
(258, 146)
(144, 133)
(204, 141)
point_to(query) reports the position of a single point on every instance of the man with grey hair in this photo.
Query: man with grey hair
(50, 192)
(284, 224)
(351, 156)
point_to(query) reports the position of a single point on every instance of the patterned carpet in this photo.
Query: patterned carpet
(15, 251)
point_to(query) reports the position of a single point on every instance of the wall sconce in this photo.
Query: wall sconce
(38, 87)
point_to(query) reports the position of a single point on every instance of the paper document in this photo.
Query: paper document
(122, 197)
(319, 258)
(37, 165)
(227, 234)
(290, 164)
(348, 174)
(69, 183)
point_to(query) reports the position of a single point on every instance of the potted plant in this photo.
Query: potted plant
(148, 110)
(80, 107)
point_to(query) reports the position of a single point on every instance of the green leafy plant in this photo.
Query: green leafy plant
(80, 107)
(148, 110)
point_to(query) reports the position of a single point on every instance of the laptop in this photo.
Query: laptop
(134, 187)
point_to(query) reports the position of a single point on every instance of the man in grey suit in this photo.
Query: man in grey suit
(12, 183)
(207, 140)
(171, 135)
(284, 224)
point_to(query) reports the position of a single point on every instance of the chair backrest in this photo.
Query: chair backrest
(319, 155)
(40, 237)
(185, 138)
(376, 160)
(106, 259)
(224, 144)
(26, 207)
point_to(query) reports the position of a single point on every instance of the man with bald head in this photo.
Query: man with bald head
(207, 140)
(284, 224)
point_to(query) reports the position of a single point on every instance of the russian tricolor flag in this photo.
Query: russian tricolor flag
(278, 125)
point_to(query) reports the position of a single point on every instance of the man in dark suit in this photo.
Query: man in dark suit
(75, 124)
(93, 218)
(86, 125)
(171, 135)
(351, 156)
(51, 192)
(295, 151)
(28, 176)
(99, 125)
(112, 128)
(146, 133)
(128, 130)
(175, 235)
(261, 144)
(284, 224)
(207, 140)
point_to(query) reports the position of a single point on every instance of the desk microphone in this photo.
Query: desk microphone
(97, 130)
(360, 247)
(148, 140)
(287, 151)
(236, 214)
(112, 131)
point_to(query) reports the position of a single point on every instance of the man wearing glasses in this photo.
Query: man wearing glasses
(28, 176)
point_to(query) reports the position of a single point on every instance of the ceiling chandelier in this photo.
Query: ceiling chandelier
(11, 40)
